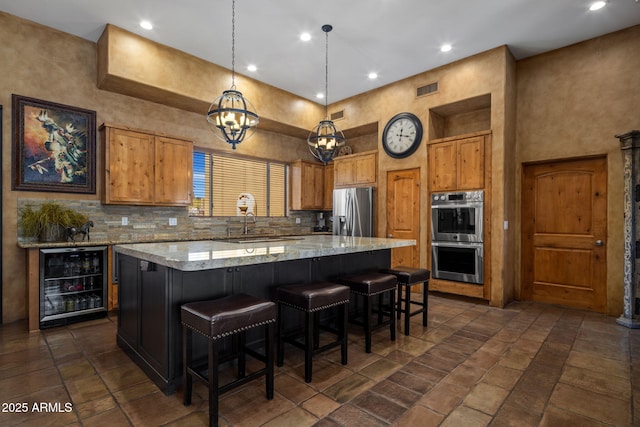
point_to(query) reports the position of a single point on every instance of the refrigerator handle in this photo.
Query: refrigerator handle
(350, 214)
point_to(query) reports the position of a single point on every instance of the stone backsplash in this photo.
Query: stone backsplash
(151, 223)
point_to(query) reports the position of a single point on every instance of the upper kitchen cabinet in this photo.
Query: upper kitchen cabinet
(459, 137)
(356, 170)
(145, 168)
(307, 185)
(457, 163)
(328, 187)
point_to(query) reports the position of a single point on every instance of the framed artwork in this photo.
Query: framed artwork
(54, 147)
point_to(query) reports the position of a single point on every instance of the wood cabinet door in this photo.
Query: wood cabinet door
(309, 190)
(129, 160)
(470, 163)
(443, 166)
(343, 172)
(365, 169)
(173, 171)
(318, 186)
(328, 188)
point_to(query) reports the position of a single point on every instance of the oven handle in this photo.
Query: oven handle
(455, 205)
(473, 245)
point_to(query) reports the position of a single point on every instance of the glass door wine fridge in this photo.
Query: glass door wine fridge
(73, 285)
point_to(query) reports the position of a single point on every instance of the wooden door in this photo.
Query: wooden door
(564, 222)
(403, 214)
(173, 169)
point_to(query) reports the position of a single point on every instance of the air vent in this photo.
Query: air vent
(427, 89)
(337, 115)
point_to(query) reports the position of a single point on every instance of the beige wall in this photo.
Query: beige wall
(571, 103)
(41, 63)
(478, 75)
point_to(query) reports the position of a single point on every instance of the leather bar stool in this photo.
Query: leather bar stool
(370, 285)
(311, 299)
(408, 277)
(221, 318)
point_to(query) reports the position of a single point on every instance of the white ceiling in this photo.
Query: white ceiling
(394, 38)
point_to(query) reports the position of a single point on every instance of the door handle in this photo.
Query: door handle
(599, 242)
(389, 235)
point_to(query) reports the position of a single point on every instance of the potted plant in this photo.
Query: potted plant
(49, 222)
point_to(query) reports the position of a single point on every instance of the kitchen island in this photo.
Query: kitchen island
(155, 279)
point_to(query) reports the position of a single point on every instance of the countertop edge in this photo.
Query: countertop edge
(220, 254)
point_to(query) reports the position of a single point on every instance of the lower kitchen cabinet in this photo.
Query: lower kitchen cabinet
(151, 296)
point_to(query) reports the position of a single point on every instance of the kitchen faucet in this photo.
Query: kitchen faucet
(246, 226)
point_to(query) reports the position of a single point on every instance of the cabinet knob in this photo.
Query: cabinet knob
(389, 235)
(599, 242)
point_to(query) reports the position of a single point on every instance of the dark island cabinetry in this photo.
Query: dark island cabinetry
(150, 297)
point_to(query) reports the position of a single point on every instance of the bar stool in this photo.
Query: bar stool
(221, 318)
(369, 285)
(408, 277)
(311, 299)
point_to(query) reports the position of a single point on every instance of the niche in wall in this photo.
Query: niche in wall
(461, 117)
(362, 138)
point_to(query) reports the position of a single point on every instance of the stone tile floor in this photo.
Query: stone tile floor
(474, 365)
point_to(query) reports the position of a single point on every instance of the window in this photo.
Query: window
(221, 183)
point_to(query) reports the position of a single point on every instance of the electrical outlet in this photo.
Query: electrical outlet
(125, 220)
(173, 221)
(297, 220)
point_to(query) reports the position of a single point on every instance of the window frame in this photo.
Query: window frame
(212, 154)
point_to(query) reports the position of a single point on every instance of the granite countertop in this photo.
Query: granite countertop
(30, 244)
(209, 254)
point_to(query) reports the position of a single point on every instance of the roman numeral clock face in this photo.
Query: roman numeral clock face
(402, 135)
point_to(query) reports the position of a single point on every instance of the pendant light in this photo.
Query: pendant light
(325, 139)
(232, 117)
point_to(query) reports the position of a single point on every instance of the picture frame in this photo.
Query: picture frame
(54, 147)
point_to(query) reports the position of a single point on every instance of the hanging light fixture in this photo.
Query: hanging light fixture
(325, 139)
(232, 117)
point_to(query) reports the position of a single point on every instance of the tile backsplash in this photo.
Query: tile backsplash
(151, 223)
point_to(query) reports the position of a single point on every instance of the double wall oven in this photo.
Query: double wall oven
(457, 236)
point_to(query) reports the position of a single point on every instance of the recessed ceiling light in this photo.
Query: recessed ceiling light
(252, 67)
(146, 25)
(373, 76)
(320, 95)
(597, 5)
(305, 37)
(445, 48)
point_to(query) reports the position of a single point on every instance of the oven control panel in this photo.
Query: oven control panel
(457, 198)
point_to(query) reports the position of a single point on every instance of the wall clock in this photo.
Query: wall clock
(402, 135)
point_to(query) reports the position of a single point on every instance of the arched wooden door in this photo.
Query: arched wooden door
(403, 214)
(564, 224)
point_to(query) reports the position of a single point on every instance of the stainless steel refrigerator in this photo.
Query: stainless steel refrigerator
(353, 212)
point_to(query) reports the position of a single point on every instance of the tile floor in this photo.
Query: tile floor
(474, 365)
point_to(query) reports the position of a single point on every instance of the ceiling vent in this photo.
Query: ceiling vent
(337, 115)
(427, 89)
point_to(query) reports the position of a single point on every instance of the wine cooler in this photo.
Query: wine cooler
(73, 285)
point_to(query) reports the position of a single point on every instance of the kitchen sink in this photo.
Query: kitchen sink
(265, 239)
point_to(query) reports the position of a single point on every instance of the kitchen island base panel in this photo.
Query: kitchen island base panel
(151, 295)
